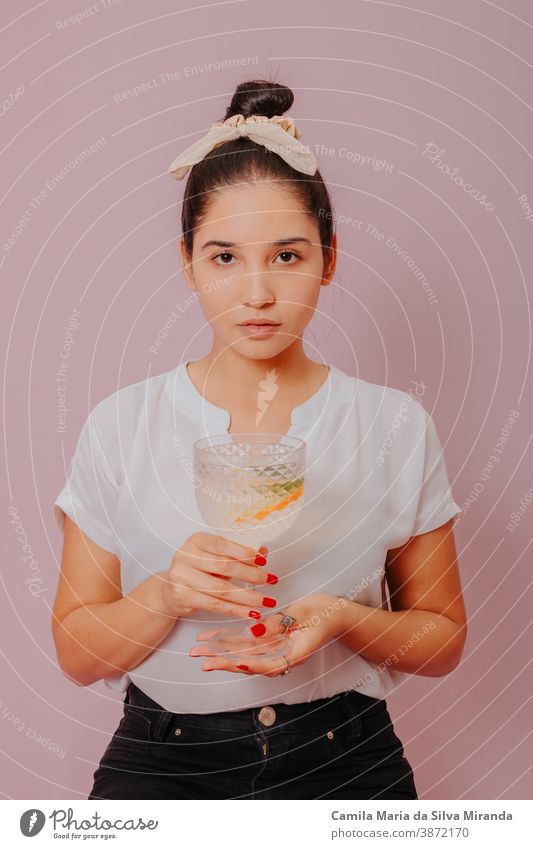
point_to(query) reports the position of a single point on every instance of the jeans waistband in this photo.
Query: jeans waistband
(304, 715)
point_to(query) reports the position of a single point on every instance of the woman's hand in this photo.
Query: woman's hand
(319, 620)
(200, 578)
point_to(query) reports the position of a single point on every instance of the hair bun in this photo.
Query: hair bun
(260, 97)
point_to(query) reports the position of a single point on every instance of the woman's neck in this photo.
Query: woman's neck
(230, 380)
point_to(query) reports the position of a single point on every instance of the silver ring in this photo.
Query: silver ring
(286, 619)
(287, 661)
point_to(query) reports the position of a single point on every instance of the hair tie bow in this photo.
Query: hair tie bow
(279, 134)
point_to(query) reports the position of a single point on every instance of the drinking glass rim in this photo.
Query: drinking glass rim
(272, 439)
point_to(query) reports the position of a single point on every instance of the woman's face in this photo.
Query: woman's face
(257, 255)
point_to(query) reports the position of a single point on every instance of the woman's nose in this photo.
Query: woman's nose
(258, 300)
(257, 290)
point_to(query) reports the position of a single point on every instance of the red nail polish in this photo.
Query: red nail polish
(272, 579)
(255, 614)
(258, 630)
(242, 666)
(260, 560)
(269, 602)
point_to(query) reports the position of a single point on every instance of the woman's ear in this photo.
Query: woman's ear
(329, 269)
(187, 265)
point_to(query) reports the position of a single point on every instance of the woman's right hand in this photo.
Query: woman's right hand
(200, 578)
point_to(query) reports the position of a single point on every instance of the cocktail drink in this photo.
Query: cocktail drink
(249, 488)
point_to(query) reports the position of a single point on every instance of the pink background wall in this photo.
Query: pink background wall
(375, 82)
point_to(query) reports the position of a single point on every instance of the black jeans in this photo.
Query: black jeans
(343, 747)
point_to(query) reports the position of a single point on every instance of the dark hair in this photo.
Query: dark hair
(243, 160)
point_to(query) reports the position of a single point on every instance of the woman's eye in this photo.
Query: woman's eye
(223, 254)
(288, 254)
(225, 257)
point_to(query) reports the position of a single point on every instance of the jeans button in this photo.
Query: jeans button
(177, 731)
(267, 715)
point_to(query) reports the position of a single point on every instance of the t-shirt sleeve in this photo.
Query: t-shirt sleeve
(89, 496)
(435, 504)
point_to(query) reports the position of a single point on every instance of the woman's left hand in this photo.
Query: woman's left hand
(319, 619)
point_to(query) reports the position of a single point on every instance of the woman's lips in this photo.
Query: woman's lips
(258, 329)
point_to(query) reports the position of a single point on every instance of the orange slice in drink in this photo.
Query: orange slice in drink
(260, 515)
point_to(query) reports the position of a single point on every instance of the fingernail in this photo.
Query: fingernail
(269, 602)
(260, 560)
(272, 579)
(254, 614)
(242, 666)
(258, 630)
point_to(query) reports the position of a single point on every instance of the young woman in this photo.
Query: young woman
(143, 581)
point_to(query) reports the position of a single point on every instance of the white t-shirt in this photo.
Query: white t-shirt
(375, 477)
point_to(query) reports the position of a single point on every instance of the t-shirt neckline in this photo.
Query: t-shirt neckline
(212, 416)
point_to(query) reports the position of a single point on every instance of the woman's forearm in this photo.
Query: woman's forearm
(100, 640)
(413, 640)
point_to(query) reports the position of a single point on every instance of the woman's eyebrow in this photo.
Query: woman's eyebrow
(220, 244)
